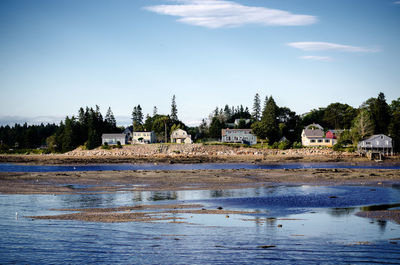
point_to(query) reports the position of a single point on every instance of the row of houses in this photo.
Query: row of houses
(144, 137)
(312, 135)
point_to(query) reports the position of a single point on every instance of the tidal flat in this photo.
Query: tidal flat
(218, 216)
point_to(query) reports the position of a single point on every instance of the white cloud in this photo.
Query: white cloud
(316, 58)
(326, 46)
(396, 2)
(221, 13)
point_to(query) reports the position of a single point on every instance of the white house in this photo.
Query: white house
(378, 143)
(114, 138)
(181, 137)
(238, 136)
(143, 137)
(313, 135)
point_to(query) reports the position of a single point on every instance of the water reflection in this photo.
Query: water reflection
(307, 233)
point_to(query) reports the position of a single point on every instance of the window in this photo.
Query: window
(313, 141)
(367, 142)
(326, 141)
(319, 141)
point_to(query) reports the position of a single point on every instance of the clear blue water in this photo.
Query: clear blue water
(109, 167)
(316, 228)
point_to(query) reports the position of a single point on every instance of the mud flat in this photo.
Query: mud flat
(153, 180)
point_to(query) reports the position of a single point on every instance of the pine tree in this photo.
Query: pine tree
(111, 123)
(269, 120)
(174, 110)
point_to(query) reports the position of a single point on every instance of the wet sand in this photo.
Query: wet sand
(170, 180)
(152, 180)
(153, 213)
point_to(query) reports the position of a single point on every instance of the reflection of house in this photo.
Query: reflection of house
(114, 138)
(378, 143)
(180, 136)
(313, 135)
(244, 136)
(143, 137)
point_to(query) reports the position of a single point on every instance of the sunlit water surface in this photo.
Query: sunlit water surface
(318, 225)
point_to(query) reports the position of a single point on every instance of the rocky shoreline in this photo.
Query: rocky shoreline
(189, 153)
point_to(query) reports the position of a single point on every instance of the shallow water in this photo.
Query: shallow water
(4, 167)
(319, 225)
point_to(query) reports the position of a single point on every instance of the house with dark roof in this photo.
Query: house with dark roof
(314, 135)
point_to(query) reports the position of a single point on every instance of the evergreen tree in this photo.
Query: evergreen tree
(256, 108)
(269, 120)
(111, 123)
(362, 127)
(174, 110)
(380, 113)
(137, 118)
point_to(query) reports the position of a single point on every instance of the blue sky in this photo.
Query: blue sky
(56, 56)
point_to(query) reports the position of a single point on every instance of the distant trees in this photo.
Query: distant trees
(86, 130)
(25, 136)
(273, 123)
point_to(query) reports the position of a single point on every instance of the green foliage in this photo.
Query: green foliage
(268, 126)
(105, 146)
(339, 116)
(256, 115)
(283, 145)
(174, 109)
(137, 118)
(215, 128)
(297, 145)
(394, 126)
(380, 113)
(314, 116)
(362, 127)
(118, 145)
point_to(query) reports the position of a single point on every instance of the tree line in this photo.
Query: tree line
(271, 123)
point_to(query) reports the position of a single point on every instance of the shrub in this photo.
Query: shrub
(284, 145)
(105, 146)
(297, 145)
(118, 145)
(275, 145)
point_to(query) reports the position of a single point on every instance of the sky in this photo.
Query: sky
(58, 56)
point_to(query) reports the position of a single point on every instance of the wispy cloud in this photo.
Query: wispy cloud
(316, 58)
(396, 2)
(221, 13)
(326, 46)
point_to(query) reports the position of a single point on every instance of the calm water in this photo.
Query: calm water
(316, 228)
(110, 167)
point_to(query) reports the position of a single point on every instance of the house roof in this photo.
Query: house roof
(314, 125)
(223, 131)
(108, 135)
(313, 133)
(373, 137)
